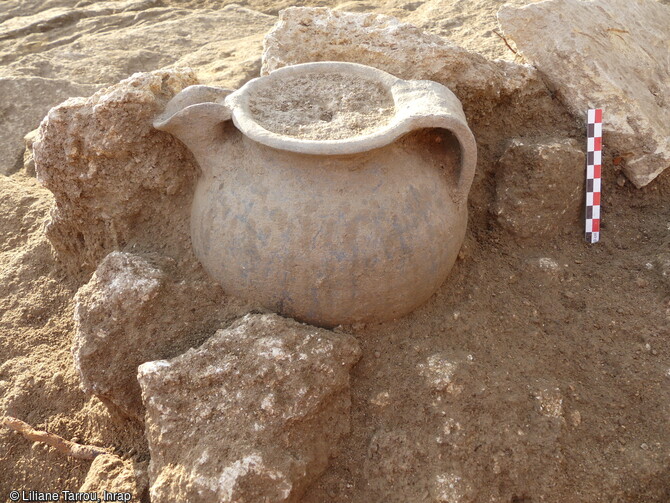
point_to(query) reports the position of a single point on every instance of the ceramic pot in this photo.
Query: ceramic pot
(332, 231)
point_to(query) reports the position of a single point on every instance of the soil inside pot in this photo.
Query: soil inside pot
(328, 106)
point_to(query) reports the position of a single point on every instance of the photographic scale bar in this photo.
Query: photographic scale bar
(594, 142)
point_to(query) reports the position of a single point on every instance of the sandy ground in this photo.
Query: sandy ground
(554, 353)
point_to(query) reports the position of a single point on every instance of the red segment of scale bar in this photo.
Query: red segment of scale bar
(594, 127)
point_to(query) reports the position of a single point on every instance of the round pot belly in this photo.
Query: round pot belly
(329, 239)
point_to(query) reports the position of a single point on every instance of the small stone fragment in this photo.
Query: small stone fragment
(451, 426)
(550, 402)
(135, 309)
(576, 418)
(439, 372)
(114, 475)
(381, 399)
(251, 415)
(540, 187)
(641, 282)
(448, 488)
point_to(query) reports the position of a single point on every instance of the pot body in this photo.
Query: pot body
(332, 231)
(331, 239)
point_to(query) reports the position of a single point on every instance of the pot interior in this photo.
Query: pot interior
(321, 105)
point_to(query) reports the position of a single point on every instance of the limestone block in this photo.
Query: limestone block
(540, 187)
(610, 54)
(251, 415)
(305, 34)
(136, 309)
(116, 180)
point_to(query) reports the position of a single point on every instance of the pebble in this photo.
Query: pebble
(576, 418)
(382, 399)
(58, 378)
(377, 354)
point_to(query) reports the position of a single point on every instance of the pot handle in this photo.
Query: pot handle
(192, 114)
(428, 104)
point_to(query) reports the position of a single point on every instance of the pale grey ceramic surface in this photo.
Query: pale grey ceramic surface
(336, 231)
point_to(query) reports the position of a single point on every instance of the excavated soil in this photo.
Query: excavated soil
(539, 372)
(322, 106)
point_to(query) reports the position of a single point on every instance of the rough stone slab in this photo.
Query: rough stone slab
(24, 101)
(115, 178)
(136, 309)
(305, 34)
(540, 187)
(251, 415)
(610, 54)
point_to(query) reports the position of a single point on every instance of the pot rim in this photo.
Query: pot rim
(403, 120)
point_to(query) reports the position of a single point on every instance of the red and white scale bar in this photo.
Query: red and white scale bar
(594, 145)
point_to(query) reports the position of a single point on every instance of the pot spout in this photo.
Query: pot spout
(194, 116)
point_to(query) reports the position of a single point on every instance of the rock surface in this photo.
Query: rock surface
(306, 34)
(251, 415)
(112, 474)
(61, 52)
(610, 54)
(25, 101)
(136, 309)
(540, 187)
(86, 146)
(104, 42)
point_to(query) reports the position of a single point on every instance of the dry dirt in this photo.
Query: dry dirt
(319, 107)
(539, 371)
